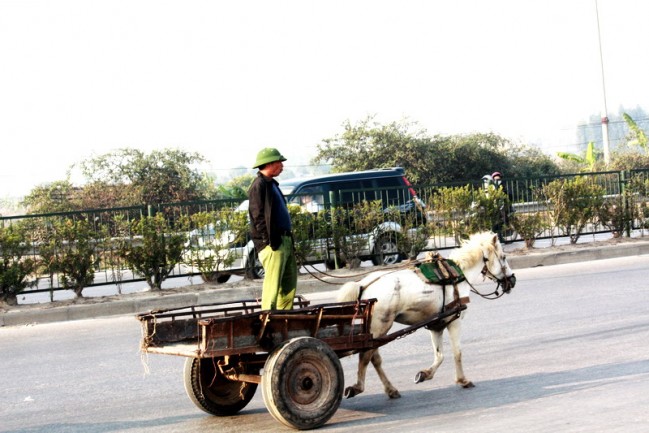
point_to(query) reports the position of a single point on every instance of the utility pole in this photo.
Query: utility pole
(607, 155)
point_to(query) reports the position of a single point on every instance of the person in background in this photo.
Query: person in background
(312, 203)
(487, 180)
(270, 223)
(506, 209)
(497, 179)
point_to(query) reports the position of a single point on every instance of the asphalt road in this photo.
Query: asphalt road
(565, 352)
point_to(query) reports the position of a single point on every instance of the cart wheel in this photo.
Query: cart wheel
(303, 383)
(211, 391)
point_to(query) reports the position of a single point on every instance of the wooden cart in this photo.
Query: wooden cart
(229, 345)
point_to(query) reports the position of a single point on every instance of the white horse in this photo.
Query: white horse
(404, 297)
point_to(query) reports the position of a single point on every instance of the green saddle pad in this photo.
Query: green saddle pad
(434, 275)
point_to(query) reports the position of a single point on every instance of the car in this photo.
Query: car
(345, 189)
(342, 190)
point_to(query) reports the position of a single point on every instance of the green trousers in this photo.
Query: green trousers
(280, 280)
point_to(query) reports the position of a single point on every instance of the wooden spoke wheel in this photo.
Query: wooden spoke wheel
(303, 383)
(211, 391)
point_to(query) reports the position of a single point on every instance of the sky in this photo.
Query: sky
(81, 78)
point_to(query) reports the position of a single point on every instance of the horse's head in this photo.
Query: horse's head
(495, 264)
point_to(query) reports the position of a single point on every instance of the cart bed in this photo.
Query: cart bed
(242, 327)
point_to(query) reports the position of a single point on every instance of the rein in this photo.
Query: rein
(490, 296)
(314, 275)
(488, 274)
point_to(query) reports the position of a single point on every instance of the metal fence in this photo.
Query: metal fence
(328, 232)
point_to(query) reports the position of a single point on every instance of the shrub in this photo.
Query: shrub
(70, 253)
(613, 214)
(572, 204)
(451, 207)
(350, 229)
(208, 245)
(155, 250)
(529, 226)
(414, 234)
(490, 209)
(15, 267)
(638, 200)
(305, 230)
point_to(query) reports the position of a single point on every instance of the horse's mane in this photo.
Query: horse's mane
(470, 252)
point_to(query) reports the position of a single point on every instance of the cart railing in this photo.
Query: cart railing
(243, 328)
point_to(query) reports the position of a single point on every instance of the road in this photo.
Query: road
(566, 351)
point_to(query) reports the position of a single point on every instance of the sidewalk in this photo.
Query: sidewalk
(211, 293)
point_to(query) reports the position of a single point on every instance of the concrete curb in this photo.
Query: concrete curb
(554, 257)
(208, 294)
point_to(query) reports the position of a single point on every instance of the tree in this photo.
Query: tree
(530, 161)
(587, 162)
(133, 177)
(636, 135)
(59, 196)
(618, 126)
(462, 157)
(629, 160)
(426, 159)
(127, 177)
(369, 145)
(236, 188)
(635, 155)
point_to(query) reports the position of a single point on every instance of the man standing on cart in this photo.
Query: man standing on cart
(270, 228)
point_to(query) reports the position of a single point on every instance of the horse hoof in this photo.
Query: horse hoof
(350, 392)
(420, 377)
(394, 394)
(466, 385)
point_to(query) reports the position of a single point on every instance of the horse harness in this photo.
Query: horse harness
(442, 272)
(439, 271)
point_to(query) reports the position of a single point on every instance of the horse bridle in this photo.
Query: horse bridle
(504, 282)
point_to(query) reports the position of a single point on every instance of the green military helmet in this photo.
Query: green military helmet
(267, 155)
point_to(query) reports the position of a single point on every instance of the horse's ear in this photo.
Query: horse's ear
(495, 240)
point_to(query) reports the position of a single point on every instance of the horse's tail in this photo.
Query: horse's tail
(350, 291)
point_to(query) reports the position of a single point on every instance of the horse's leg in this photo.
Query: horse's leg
(381, 323)
(454, 334)
(390, 390)
(436, 339)
(382, 320)
(363, 361)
